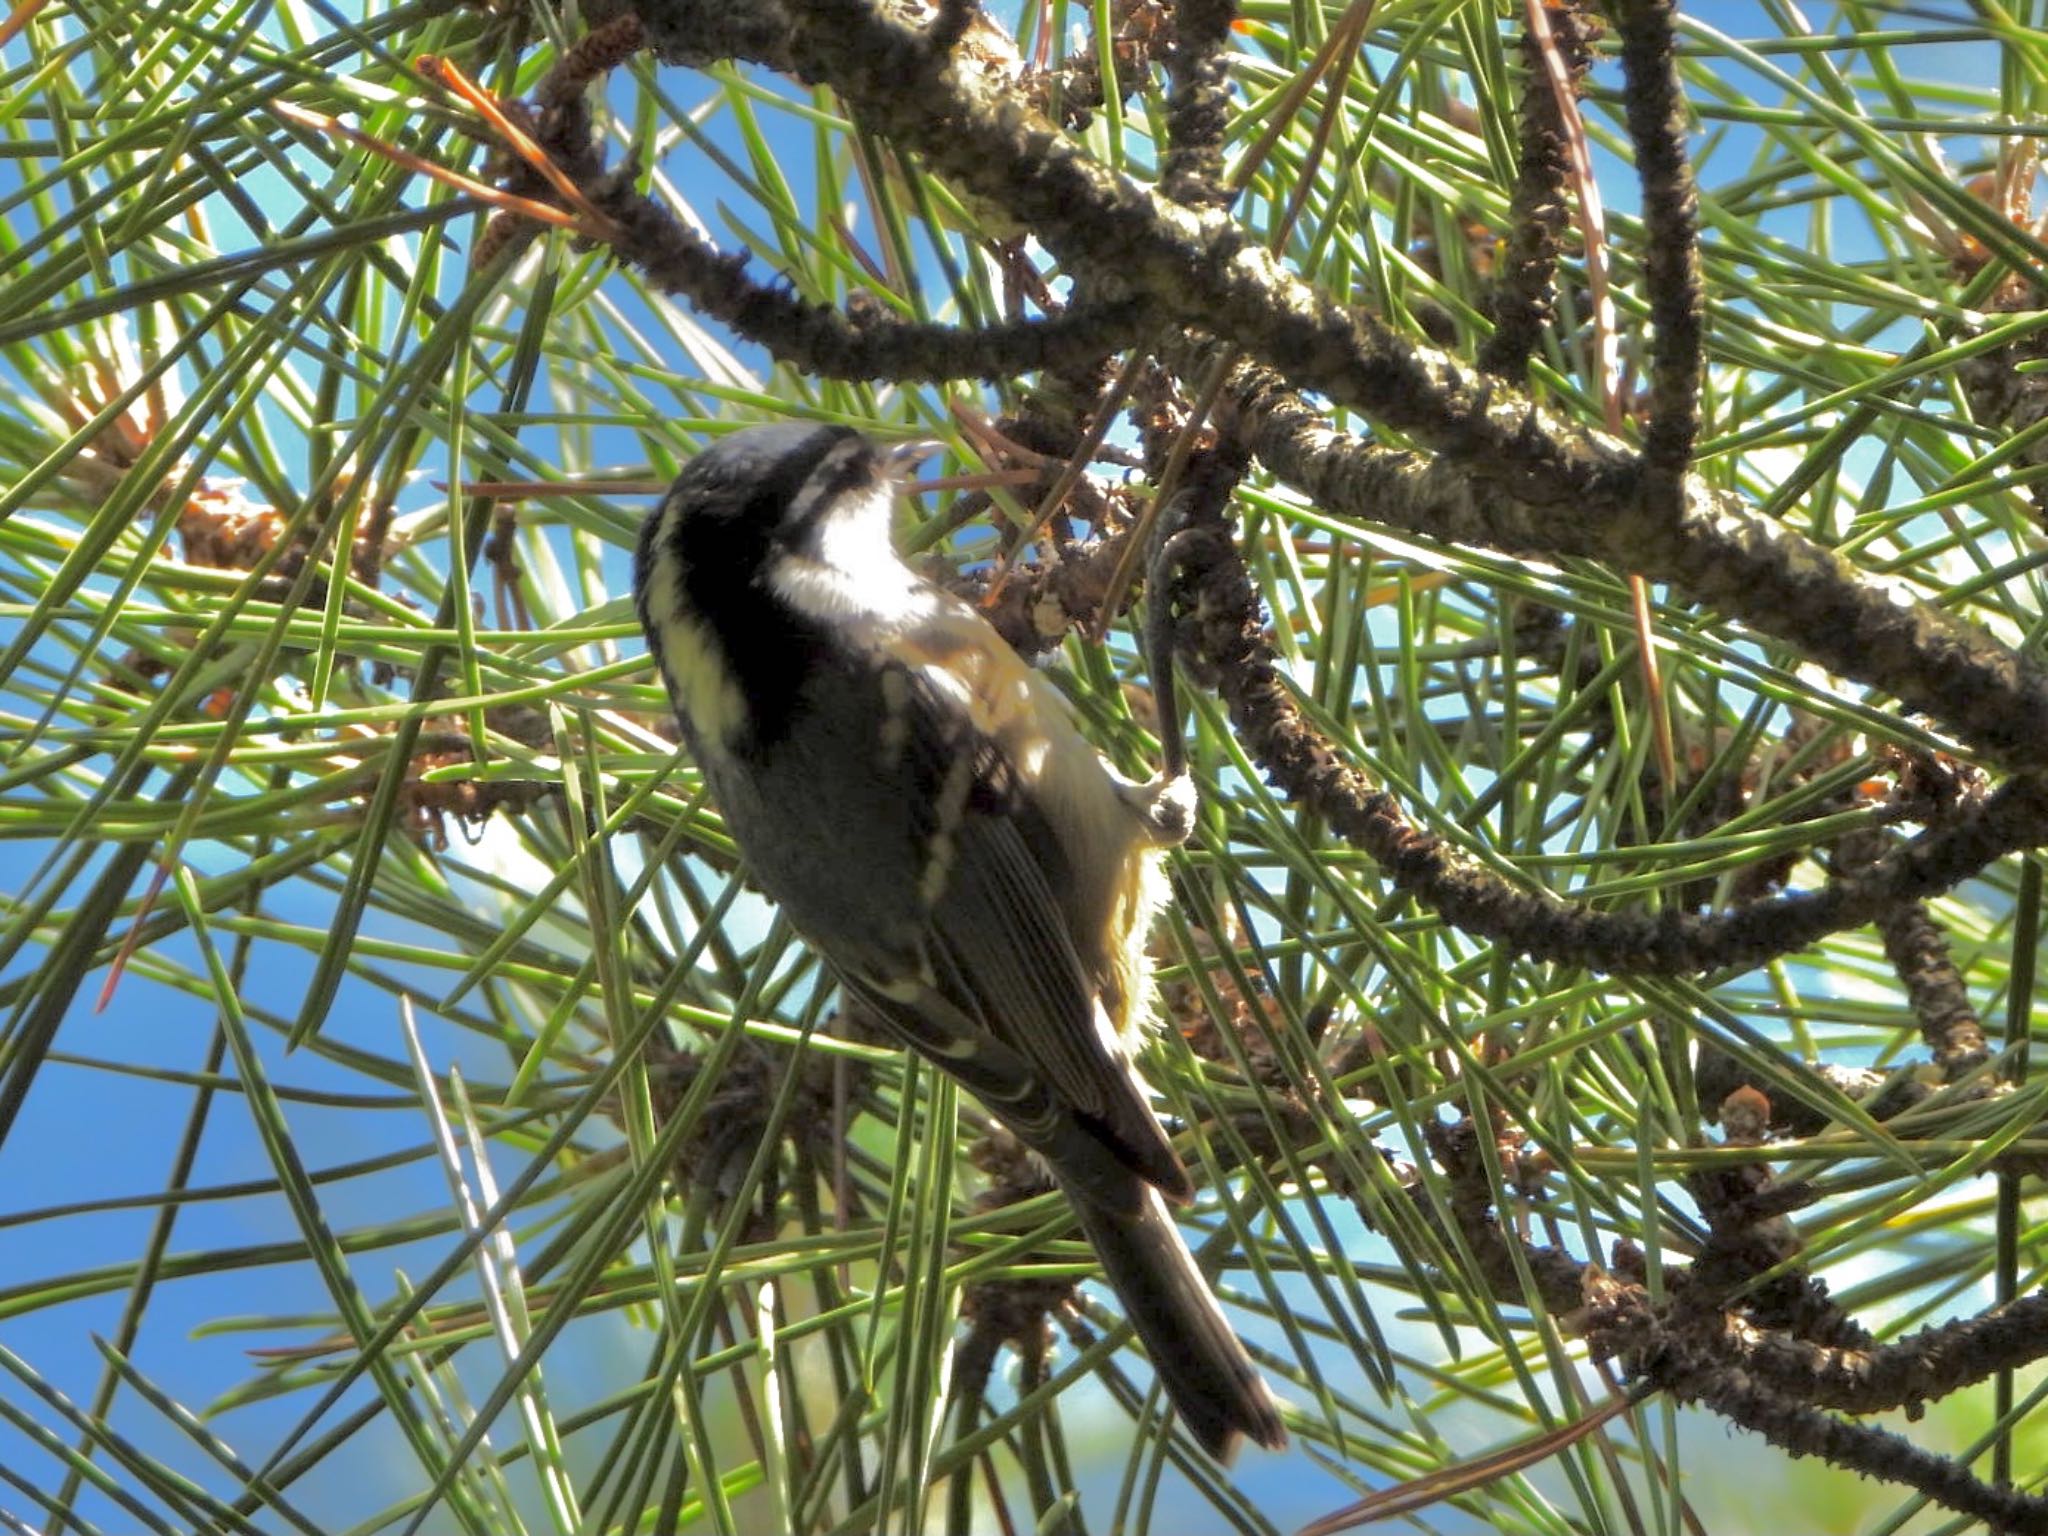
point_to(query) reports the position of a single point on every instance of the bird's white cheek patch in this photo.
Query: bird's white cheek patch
(881, 594)
(852, 571)
(855, 541)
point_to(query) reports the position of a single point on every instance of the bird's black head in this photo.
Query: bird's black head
(702, 572)
(748, 495)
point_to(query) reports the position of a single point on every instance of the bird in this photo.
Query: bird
(924, 808)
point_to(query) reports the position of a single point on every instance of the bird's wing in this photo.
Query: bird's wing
(1003, 998)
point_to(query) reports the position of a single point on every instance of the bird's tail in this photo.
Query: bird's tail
(1208, 1377)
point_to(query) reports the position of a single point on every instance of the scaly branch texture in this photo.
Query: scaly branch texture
(1524, 297)
(1502, 472)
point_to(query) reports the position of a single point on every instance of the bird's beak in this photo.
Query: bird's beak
(902, 459)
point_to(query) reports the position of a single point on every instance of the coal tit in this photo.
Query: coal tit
(921, 804)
